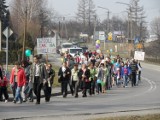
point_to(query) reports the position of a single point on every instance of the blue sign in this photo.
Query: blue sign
(136, 40)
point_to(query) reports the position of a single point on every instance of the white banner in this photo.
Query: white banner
(46, 45)
(138, 55)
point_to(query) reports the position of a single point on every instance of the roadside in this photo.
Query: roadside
(150, 114)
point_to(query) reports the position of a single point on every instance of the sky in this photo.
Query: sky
(68, 8)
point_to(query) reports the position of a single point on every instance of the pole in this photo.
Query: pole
(7, 49)
(93, 42)
(0, 35)
(24, 39)
(108, 28)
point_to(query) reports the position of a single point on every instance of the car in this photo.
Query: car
(74, 50)
(65, 47)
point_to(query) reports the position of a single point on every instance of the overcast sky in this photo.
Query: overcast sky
(68, 8)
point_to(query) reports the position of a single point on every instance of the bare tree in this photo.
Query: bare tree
(155, 27)
(86, 13)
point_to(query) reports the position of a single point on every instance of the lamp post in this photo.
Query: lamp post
(108, 24)
(129, 18)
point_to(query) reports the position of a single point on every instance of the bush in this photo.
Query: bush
(2, 57)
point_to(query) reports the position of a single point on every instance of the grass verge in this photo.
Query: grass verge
(134, 117)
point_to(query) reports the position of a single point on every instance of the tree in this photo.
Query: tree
(86, 13)
(3, 9)
(138, 16)
(155, 27)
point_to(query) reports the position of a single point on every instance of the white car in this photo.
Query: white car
(65, 47)
(74, 50)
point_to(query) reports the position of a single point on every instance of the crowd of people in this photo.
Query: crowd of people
(90, 72)
(27, 78)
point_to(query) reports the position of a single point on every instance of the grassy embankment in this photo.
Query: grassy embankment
(134, 117)
(56, 68)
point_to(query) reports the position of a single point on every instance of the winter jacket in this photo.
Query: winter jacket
(21, 78)
(42, 73)
(64, 76)
(4, 83)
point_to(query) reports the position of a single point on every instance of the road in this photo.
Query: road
(144, 97)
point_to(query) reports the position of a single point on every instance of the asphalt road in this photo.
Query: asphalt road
(144, 97)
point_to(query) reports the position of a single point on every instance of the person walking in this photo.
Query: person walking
(18, 77)
(38, 76)
(84, 76)
(25, 94)
(92, 77)
(3, 86)
(64, 75)
(48, 85)
(75, 79)
(134, 69)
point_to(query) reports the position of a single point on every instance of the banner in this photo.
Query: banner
(46, 45)
(138, 55)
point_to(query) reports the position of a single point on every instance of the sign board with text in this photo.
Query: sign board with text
(138, 55)
(46, 45)
(102, 35)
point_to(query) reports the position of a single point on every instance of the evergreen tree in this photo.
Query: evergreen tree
(3, 9)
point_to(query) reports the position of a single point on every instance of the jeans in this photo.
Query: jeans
(18, 94)
(125, 80)
(137, 79)
(99, 88)
(14, 87)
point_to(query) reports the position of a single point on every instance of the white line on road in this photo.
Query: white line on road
(152, 85)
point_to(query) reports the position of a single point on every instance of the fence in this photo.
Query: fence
(152, 59)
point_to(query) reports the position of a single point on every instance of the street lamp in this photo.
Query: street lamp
(129, 18)
(108, 26)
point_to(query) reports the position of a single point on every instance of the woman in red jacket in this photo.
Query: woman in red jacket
(18, 77)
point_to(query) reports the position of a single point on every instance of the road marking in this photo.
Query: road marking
(153, 85)
(152, 88)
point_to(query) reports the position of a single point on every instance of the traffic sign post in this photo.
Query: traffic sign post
(7, 32)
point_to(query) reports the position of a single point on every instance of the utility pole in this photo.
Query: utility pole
(108, 24)
(25, 29)
(95, 21)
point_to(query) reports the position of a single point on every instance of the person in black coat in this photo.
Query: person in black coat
(134, 69)
(84, 75)
(64, 75)
(48, 85)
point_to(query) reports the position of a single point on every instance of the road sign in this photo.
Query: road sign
(7, 32)
(136, 40)
(102, 35)
(139, 46)
(109, 36)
